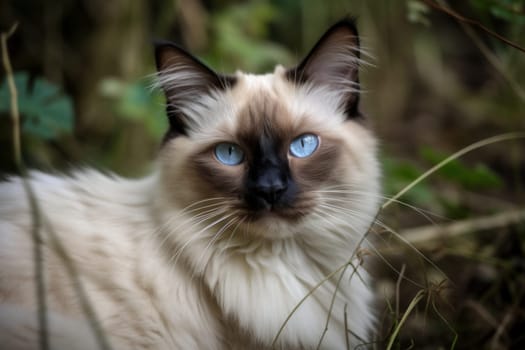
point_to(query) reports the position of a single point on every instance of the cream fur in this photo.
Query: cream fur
(162, 275)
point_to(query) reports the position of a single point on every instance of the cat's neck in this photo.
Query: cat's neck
(259, 282)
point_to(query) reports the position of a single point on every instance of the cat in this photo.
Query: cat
(249, 234)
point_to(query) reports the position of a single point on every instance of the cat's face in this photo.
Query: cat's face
(269, 152)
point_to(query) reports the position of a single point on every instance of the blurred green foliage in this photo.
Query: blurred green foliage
(238, 43)
(254, 36)
(458, 174)
(46, 111)
(398, 173)
(433, 84)
(512, 11)
(476, 178)
(137, 101)
(417, 12)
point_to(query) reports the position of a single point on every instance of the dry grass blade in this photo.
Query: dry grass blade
(332, 302)
(449, 326)
(409, 309)
(343, 267)
(310, 292)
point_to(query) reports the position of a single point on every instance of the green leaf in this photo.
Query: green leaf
(417, 12)
(511, 11)
(398, 174)
(240, 43)
(478, 177)
(136, 101)
(46, 112)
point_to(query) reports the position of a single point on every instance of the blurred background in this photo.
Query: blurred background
(450, 259)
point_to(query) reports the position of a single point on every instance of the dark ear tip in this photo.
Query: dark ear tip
(349, 22)
(162, 46)
(160, 42)
(159, 45)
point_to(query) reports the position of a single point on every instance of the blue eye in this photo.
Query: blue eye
(304, 145)
(229, 153)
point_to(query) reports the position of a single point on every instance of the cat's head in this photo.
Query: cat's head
(270, 152)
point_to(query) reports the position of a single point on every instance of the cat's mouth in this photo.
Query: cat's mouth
(273, 223)
(288, 207)
(288, 214)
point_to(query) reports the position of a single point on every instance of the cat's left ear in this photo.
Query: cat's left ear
(334, 63)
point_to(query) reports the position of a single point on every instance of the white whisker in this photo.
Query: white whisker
(197, 235)
(167, 227)
(217, 235)
(357, 215)
(425, 213)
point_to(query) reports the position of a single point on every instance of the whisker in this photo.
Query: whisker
(379, 223)
(216, 236)
(417, 251)
(425, 213)
(234, 230)
(221, 199)
(193, 221)
(378, 253)
(197, 235)
(323, 214)
(201, 217)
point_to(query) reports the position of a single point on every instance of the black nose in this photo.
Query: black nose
(267, 188)
(271, 192)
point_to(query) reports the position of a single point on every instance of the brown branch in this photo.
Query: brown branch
(15, 115)
(420, 235)
(38, 222)
(492, 59)
(40, 290)
(473, 23)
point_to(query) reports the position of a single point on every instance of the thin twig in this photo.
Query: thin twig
(491, 57)
(507, 320)
(494, 60)
(347, 340)
(88, 310)
(39, 220)
(15, 115)
(40, 289)
(472, 22)
(39, 264)
(447, 323)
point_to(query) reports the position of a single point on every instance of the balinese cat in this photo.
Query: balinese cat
(264, 190)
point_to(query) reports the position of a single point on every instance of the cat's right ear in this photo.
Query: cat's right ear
(185, 80)
(334, 63)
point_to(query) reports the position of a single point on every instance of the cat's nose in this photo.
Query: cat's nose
(268, 187)
(272, 191)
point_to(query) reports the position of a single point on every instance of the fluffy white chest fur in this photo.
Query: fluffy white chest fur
(247, 235)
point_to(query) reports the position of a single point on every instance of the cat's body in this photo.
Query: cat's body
(264, 186)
